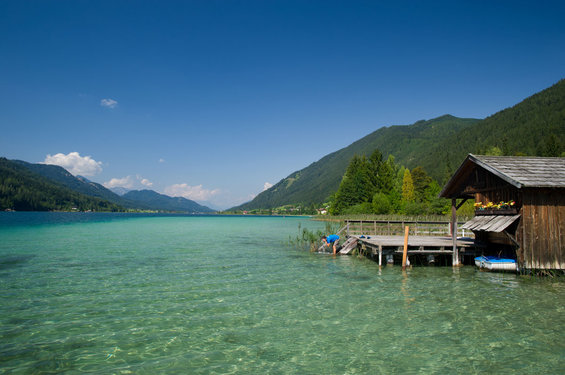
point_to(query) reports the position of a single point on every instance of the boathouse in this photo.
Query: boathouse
(520, 206)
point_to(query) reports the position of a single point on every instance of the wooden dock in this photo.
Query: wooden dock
(389, 246)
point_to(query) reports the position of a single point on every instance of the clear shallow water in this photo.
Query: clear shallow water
(107, 293)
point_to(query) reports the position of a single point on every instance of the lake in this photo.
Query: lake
(146, 294)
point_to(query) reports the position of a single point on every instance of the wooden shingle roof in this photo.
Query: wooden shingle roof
(519, 171)
(525, 171)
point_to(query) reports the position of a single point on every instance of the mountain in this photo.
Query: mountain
(22, 189)
(79, 184)
(315, 183)
(146, 199)
(535, 126)
(119, 190)
(150, 199)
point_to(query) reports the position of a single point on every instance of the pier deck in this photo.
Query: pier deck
(423, 245)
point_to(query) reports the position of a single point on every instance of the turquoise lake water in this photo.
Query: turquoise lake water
(135, 294)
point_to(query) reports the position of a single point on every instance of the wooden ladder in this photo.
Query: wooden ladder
(348, 246)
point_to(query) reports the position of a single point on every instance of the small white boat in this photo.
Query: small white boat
(493, 263)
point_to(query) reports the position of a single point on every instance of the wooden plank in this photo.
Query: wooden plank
(348, 246)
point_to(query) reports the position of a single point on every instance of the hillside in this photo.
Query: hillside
(152, 200)
(79, 184)
(535, 126)
(50, 187)
(318, 181)
(22, 189)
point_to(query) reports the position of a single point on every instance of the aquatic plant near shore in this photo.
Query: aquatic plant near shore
(310, 239)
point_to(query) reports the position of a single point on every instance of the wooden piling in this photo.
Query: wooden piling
(405, 252)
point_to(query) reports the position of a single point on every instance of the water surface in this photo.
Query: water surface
(117, 293)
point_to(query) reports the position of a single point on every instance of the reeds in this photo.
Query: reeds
(310, 239)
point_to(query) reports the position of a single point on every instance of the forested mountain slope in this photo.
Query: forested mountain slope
(22, 189)
(25, 186)
(319, 180)
(535, 126)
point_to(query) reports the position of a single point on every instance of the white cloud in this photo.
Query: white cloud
(197, 193)
(267, 185)
(75, 164)
(161, 160)
(126, 182)
(146, 182)
(108, 103)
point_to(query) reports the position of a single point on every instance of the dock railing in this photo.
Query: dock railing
(396, 228)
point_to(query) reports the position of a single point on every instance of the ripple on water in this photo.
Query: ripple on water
(157, 295)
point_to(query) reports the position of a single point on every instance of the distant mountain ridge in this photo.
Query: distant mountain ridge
(535, 126)
(63, 184)
(22, 189)
(155, 201)
(120, 191)
(79, 184)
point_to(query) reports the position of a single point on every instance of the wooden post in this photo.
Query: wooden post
(380, 255)
(405, 252)
(454, 232)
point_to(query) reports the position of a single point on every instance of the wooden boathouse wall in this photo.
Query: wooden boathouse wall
(537, 186)
(541, 231)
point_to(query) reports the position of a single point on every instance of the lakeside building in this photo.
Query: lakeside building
(520, 206)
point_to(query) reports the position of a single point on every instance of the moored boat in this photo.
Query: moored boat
(494, 263)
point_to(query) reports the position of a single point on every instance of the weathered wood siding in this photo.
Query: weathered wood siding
(494, 189)
(541, 231)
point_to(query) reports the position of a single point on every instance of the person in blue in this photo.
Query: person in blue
(332, 238)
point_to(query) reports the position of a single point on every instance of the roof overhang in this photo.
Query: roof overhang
(450, 190)
(490, 223)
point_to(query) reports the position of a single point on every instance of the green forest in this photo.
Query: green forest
(24, 190)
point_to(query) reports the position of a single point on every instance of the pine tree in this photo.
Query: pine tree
(356, 186)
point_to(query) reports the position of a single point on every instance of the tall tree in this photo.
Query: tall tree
(407, 187)
(421, 182)
(356, 186)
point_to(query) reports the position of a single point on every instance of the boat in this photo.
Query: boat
(494, 263)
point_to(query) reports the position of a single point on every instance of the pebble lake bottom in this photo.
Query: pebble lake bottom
(142, 294)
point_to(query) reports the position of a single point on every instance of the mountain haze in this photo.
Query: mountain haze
(152, 200)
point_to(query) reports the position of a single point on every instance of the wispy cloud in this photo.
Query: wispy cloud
(197, 192)
(125, 182)
(108, 103)
(146, 182)
(128, 182)
(267, 186)
(75, 164)
(161, 160)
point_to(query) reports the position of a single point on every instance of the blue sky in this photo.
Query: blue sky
(212, 100)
